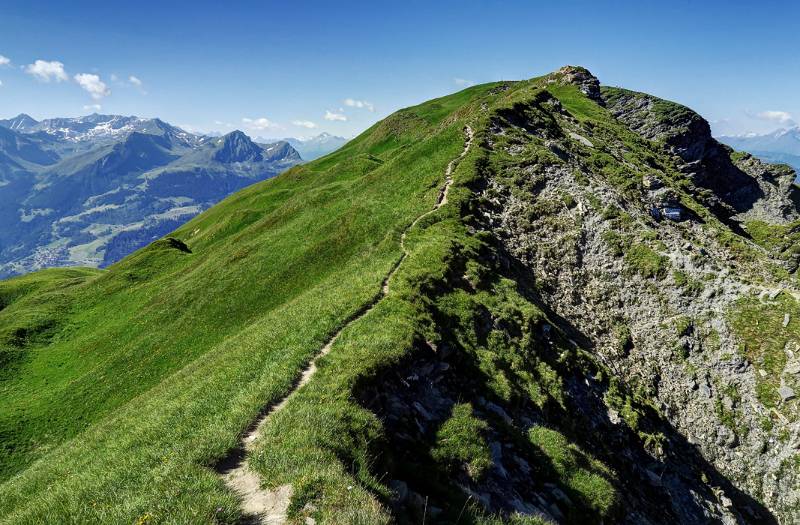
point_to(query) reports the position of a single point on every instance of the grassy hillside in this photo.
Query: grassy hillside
(462, 396)
(157, 364)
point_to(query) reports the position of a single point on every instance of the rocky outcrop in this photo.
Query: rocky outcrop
(581, 77)
(655, 298)
(740, 185)
(632, 269)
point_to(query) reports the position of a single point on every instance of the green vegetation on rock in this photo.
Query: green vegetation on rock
(645, 261)
(765, 328)
(489, 382)
(588, 478)
(460, 440)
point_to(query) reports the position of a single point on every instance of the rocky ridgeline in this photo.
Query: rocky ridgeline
(620, 335)
(658, 297)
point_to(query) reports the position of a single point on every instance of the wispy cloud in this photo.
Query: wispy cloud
(92, 107)
(4, 61)
(332, 116)
(361, 104)
(137, 83)
(304, 124)
(463, 82)
(781, 117)
(92, 84)
(259, 124)
(46, 71)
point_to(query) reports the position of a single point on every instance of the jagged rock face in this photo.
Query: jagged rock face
(680, 128)
(659, 300)
(743, 187)
(566, 198)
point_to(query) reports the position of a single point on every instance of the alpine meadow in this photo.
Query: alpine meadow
(546, 300)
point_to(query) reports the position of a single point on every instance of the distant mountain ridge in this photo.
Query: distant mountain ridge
(94, 127)
(89, 190)
(21, 122)
(781, 146)
(318, 146)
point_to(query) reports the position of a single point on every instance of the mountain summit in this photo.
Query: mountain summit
(21, 122)
(237, 147)
(543, 301)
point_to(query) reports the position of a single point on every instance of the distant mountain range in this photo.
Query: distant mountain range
(90, 190)
(318, 146)
(781, 146)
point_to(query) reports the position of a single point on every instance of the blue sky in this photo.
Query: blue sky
(276, 69)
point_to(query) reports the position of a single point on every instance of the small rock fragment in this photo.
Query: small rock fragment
(793, 367)
(786, 393)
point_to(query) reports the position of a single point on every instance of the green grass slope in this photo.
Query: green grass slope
(121, 387)
(120, 390)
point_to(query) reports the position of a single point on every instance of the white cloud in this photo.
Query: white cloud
(4, 61)
(463, 82)
(93, 85)
(781, 117)
(330, 115)
(1, 83)
(135, 81)
(92, 107)
(47, 70)
(114, 78)
(259, 124)
(304, 124)
(359, 104)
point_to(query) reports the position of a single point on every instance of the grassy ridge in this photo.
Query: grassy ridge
(334, 451)
(185, 348)
(128, 384)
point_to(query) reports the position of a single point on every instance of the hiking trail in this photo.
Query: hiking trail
(269, 507)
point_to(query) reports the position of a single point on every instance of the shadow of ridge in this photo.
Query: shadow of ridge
(410, 456)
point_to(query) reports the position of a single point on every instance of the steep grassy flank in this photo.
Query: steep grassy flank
(339, 455)
(156, 365)
(462, 385)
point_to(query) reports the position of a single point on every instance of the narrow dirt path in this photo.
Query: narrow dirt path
(269, 507)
